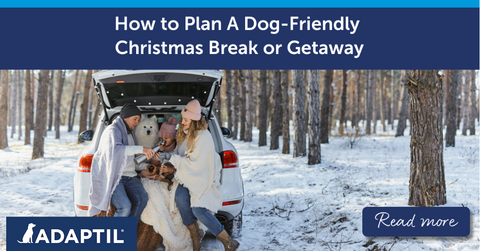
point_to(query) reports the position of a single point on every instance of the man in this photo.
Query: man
(113, 168)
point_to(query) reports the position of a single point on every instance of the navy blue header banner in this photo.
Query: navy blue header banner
(234, 38)
(416, 221)
(71, 233)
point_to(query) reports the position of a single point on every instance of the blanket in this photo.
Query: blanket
(199, 171)
(165, 219)
(107, 166)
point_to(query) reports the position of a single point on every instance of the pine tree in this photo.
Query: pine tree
(455, 78)
(285, 112)
(276, 119)
(325, 106)
(3, 108)
(41, 115)
(262, 109)
(427, 172)
(314, 146)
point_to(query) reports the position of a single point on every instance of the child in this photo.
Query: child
(167, 144)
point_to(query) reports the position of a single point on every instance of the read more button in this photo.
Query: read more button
(416, 221)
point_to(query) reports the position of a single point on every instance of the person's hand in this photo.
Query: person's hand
(149, 153)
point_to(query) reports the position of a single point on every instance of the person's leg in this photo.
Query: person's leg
(120, 200)
(207, 218)
(182, 198)
(137, 195)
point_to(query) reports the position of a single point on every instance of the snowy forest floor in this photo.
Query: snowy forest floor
(289, 205)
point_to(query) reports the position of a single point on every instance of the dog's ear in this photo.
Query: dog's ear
(154, 118)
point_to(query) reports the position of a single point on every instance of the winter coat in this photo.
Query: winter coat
(199, 171)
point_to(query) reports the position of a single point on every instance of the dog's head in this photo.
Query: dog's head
(148, 126)
(31, 225)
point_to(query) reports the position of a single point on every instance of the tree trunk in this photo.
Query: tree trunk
(383, 102)
(41, 116)
(402, 118)
(218, 107)
(263, 109)
(465, 108)
(459, 99)
(393, 100)
(90, 109)
(235, 105)
(447, 98)
(314, 146)
(374, 101)
(299, 123)
(357, 112)
(369, 101)
(285, 112)
(50, 100)
(325, 106)
(32, 99)
(28, 107)
(276, 119)
(427, 175)
(473, 105)
(71, 113)
(20, 101)
(243, 109)
(343, 103)
(452, 108)
(13, 104)
(3, 109)
(228, 92)
(96, 114)
(383, 107)
(249, 106)
(84, 106)
(58, 101)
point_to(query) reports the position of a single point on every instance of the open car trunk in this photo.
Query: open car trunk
(157, 87)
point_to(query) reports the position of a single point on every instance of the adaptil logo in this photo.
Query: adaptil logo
(61, 233)
(27, 237)
(58, 236)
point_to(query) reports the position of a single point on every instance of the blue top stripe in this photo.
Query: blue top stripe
(240, 4)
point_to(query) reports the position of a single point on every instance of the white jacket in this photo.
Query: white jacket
(199, 171)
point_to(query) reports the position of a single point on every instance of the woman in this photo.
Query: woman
(197, 169)
(161, 220)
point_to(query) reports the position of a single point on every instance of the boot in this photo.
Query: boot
(195, 233)
(229, 243)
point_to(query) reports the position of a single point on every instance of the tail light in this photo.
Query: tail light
(233, 202)
(230, 159)
(82, 207)
(85, 163)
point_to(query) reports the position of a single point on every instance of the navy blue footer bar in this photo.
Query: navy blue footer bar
(416, 221)
(71, 233)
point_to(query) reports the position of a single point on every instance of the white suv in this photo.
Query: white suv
(160, 93)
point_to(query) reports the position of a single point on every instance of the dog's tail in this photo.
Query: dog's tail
(20, 241)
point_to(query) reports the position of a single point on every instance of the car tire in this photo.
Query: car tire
(234, 226)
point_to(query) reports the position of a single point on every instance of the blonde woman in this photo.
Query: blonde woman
(197, 169)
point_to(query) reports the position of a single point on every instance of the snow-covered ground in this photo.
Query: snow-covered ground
(289, 205)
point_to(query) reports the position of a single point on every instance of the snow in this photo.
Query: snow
(289, 205)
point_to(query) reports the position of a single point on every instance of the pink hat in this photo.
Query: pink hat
(167, 131)
(192, 110)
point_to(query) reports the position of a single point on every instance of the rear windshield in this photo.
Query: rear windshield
(197, 90)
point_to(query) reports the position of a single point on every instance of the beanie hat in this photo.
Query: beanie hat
(192, 110)
(129, 110)
(167, 130)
